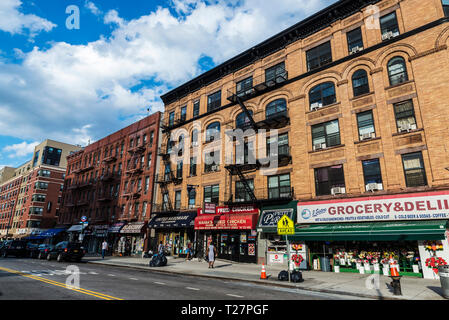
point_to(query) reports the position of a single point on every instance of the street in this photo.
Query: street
(31, 279)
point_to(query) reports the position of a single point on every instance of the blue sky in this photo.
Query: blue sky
(79, 85)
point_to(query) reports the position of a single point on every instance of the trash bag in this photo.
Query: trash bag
(163, 261)
(283, 276)
(158, 260)
(296, 276)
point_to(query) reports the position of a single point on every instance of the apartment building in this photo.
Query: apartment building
(30, 195)
(110, 182)
(352, 102)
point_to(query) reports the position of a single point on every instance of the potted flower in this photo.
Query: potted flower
(385, 268)
(367, 265)
(297, 259)
(358, 263)
(337, 263)
(375, 262)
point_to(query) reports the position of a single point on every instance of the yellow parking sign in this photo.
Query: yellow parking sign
(286, 226)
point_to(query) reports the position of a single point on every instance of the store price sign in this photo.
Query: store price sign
(286, 226)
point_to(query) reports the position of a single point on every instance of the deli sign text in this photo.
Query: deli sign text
(418, 206)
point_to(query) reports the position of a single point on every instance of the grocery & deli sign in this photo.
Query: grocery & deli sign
(417, 206)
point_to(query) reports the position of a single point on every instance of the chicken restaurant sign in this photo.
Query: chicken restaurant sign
(417, 206)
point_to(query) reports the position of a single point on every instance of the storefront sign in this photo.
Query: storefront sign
(276, 258)
(183, 219)
(270, 218)
(100, 231)
(209, 209)
(115, 228)
(133, 228)
(226, 222)
(418, 206)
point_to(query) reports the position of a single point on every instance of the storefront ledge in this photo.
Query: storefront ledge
(259, 282)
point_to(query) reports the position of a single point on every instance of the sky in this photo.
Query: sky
(76, 78)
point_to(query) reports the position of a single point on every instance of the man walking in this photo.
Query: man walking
(104, 248)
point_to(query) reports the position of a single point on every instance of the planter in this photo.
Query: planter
(367, 267)
(385, 271)
(376, 267)
(337, 269)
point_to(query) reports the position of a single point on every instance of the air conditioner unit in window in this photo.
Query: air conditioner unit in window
(407, 127)
(319, 146)
(367, 136)
(338, 190)
(372, 187)
(316, 106)
(387, 35)
(356, 49)
(214, 167)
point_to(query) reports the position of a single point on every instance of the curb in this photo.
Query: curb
(281, 285)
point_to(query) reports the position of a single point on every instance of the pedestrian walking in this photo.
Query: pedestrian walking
(212, 254)
(104, 248)
(189, 251)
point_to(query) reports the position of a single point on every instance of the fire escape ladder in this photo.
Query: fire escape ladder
(247, 113)
(235, 169)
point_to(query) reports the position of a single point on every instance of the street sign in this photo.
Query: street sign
(83, 219)
(286, 226)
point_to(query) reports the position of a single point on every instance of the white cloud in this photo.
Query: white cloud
(20, 149)
(15, 22)
(74, 93)
(92, 8)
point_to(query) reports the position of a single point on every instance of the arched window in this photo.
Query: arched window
(275, 108)
(397, 71)
(212, 131)
(242, 120)
(322, 95)
(360, 82)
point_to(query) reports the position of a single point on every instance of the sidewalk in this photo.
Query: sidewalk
(352, 284)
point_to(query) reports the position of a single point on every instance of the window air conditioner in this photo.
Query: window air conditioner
(214, 167)
(319, 146)
(387, 35)
(367, 136)
(316, 106)
(407, 127)
(338, 190)
(356, 49)
(371, 187)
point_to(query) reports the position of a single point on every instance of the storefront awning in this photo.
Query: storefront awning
(133, 228)
(226, 222)
(116, 227)
(269, 219)
(51, 232)
(77, 228)
(181, 220)
(375, 231)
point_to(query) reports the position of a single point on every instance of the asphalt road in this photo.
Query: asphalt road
(32, 279)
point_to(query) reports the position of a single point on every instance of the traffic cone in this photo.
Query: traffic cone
(263, 275)
(394, 272)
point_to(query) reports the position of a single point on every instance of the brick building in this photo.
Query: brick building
(111, 183)
(357, 96)
(30, 195)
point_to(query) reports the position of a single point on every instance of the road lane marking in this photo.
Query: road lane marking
(196, 289)
(134, 279)
(111, 275)
(91, 272)
(62, 285)
(234, 295)
(160, 283)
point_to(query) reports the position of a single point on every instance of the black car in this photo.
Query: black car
(66, 251)
(43, 250)
(32, 250)
(15, 248)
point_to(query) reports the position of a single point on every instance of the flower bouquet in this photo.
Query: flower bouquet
(435, 263)
(433, 246)
(297, 259)
(385, 267)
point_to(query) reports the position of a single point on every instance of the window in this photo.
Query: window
(355, 40)
(244, 87)
(242, 121)
(38, 198)
(41, 185)
(275, 74)
(211, 194)
(184, 114)
(275, 108)
(179, 170)
(248, 156)
(213, 132)
(149, 160)
(319, 56)
(144, 208)
(446, 7)
(151, 138)
(279, 187)
(212, 161)
(397, 71)
(178, 200)
(389, 26)
(371, 174)
(328, 178)
(325, 135)
(165, 202)
(360, 83)
(51, 156)
(282, 149)
(44, 173)
(214, 101)
(194, 138)
(193, 166)
(36, 158)
(147, 184)
(196, 108)
(167, 173)
(322, 95)
(192, 196)
(405, 116)
(365, 123)
(171, 119)
(241, 194)
(144, 140)
(415, 175)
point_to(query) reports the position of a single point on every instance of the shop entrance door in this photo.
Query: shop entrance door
(234, 246)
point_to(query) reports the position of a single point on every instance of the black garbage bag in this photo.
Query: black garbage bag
(283, 276)
(158, 260)
(296, 276)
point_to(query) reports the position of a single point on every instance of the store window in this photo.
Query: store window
(178, 200)
(241, 194)
(389, 26)
(275, 74)
(242, 121)
(405, 116)
(372, 175)
(319, 56)
(415, 174)
(397, 71)
(365, 123)
(360, 83)
(213, 132)
(196, 108)
(322, 95)
(276, 108)
(244, 87)
(214, 101)
(211, 194)
(279, 187)
(355, 40)
(329, 180)
(325, 135)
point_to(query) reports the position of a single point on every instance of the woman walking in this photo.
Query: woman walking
(212, 254)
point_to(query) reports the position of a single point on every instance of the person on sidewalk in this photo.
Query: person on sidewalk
(212, 254)
(104, 248)
(160, 248)
(189, 252)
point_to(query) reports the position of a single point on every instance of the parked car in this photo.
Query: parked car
(15, 248)
(32, 250)
(66, 251)
(43, 250)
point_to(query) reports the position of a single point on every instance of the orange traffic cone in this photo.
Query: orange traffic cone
(394, 272)
(263, 275)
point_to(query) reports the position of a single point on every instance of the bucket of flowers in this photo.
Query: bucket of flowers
(433, 246)
(337, 263)
(435, 262)
(358, 263)
(375, 262)
(385, 267)
(366, 263)
(297, 259)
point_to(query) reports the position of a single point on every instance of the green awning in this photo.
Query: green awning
(374, 231)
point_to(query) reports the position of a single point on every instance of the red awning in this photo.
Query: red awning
(226, 222)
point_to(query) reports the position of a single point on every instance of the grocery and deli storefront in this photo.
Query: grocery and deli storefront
(360, 234)
(232, 229)
(133, 235)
